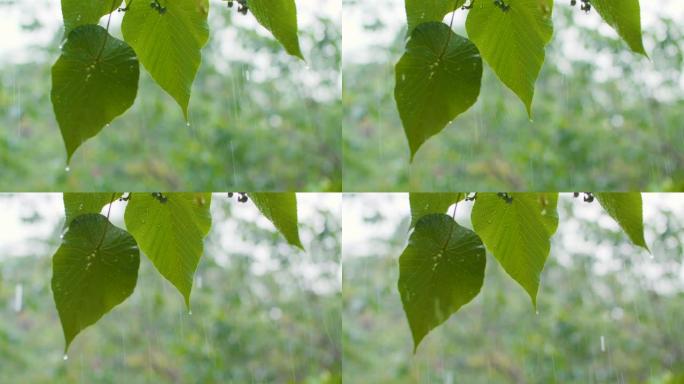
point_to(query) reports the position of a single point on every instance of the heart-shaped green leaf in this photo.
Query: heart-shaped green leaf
(437, 79)
(279, 17)
(170, 229)
(517, 230)
(423, 11)
(281, 210)
(168, 42)
(625, 17)
(423, 204)
(94, 270)
(76, 204)
(512, 40)
(626, 209)
(441, 270)
(94, 81)
(83, 12)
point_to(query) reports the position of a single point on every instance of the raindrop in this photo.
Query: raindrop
(187, 124)
(603, 344)
(67, 169)
(66, 357)
(190, 313)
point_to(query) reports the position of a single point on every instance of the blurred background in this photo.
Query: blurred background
(608, 311)
(604, 118)
(260, 119)
(262, 311)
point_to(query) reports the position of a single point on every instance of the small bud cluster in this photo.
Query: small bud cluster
(160, 196)
(242, 196)
(504, 7)
(506, 197)
(588, 197)
(242, 5)
(586, 5)
(157, 7)
(468, 6)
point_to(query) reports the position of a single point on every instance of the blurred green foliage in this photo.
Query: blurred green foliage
(596, 285)
(260, 120)
(250, 324)
(604, 119)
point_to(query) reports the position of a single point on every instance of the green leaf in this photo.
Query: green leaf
(169, 42)
(281, 210)
(512, 42)
(94, 270)
(423, 204)
(170, 229)
(423, 11)
(279, 17)
(518, 233)
(626, 209)
(437, 79)
(83, 12)
(625, 17)
(94, 81)
(441, 269)
(76, 204)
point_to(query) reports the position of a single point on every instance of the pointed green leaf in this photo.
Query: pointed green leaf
(437, 79)
(94, 81)
(423, 11)
(94, 270)
(76, 204)
(441, 270)
(625, 17)
(281, 210)
(626, 209)
(423, 204)
(170, 229)
(83, 12)
(279, 17)
(518, 233)
(512, 41)
(168, 42)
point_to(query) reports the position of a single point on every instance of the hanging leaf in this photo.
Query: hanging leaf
(626, 209)
(94, 81)
(76, 204)
(170, 229)
(441, 269)
(512, 38)
(423, 204)
(437, 79)
(423, 11)
(168, 41)
(279, 17)
(517, 230)
(83, 12)
(94, 270)
(625, 17)
(281, 210)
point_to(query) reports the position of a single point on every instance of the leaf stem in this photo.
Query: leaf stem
(451, 24)
(104, 42)
(453, 223)
(109, 210)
